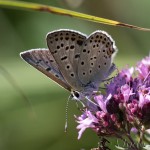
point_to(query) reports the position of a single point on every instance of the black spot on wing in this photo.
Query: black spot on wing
(77, 56)
(63, 58)
(79, 42)
(48, 69)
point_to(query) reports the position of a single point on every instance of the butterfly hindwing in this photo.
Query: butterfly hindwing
(96, 57)
(43, 61)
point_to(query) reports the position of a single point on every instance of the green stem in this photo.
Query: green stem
(60, 11)
(133, 145)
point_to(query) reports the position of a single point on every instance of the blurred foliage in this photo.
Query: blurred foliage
(42, 127)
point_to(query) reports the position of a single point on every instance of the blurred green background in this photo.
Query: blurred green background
(41, 125)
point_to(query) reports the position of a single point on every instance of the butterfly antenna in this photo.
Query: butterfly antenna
(11, 80)
(66, 115)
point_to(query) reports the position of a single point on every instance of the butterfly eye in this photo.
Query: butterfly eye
(76, 94)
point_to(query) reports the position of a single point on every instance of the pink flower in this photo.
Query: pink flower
(143, 67)
(126, 91)
(124, 107)
(127, 73)
(144, 96)
(101, 102)
(85, 121)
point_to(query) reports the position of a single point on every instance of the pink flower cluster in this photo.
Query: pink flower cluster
(124, 106)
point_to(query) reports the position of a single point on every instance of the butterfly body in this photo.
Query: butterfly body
(75, 61)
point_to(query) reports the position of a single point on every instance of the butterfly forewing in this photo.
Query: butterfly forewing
(42, 60)
(65, 46)
(95, 58)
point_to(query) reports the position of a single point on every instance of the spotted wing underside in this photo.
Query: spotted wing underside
(43, 61)
(96, 57)
(65, 46)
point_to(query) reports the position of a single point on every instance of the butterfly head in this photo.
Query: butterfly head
(75, 95)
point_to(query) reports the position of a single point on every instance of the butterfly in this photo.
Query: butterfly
(77, 62)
